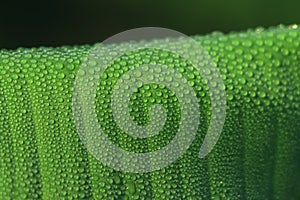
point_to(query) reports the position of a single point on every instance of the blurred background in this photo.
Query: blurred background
(50, 23)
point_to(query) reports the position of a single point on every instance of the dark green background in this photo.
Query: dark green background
(41, 23)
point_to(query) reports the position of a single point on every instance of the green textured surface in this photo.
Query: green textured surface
(256, 157)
